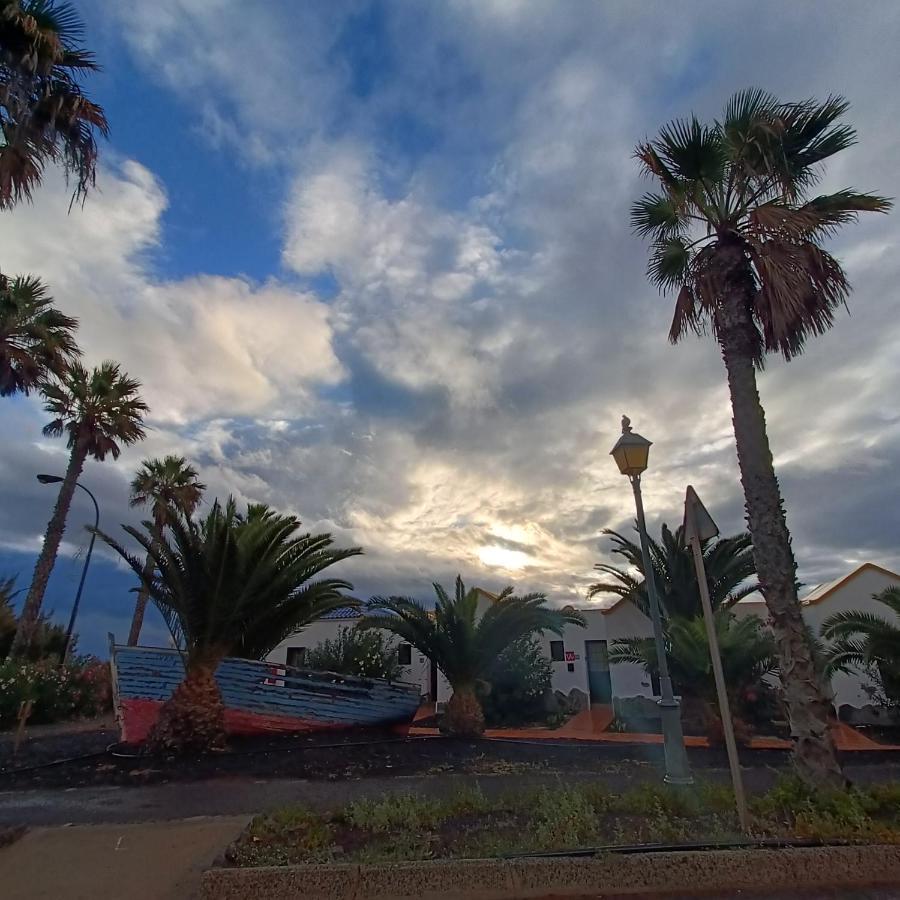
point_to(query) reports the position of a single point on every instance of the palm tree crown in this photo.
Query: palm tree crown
(464, 647)
(100, 410)
(168, 485)
(734, 202)
(36, 339)
(44, 114)
(728, 560)
(229, 586)
(869, 642)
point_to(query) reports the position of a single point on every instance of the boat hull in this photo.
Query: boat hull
(259, 697)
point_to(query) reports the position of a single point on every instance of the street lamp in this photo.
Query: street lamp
(55, 479)
(631, 453)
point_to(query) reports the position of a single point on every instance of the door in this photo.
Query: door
(599, 682)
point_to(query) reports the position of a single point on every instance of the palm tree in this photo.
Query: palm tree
(101, 411)
(735, 231)
(748, 655)
(36, 339)
(464, 649)
(866, 641)
(171, 487)
(44, 114)
(729, 565)
(228, 585)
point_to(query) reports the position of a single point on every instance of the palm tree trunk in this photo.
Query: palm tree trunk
(814, 751)
(193, 718)
(31, 610)
(464, 716)
(140, 606)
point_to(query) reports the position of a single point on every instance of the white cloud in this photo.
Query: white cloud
(203, 346)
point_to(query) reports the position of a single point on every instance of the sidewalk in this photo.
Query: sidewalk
(153, 861)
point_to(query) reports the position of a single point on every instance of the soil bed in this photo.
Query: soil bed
(80, 758)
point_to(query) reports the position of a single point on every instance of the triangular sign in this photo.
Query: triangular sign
(697, 521)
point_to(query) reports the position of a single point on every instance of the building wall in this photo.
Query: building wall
(328, 629)
(628, 679)
(855, 595)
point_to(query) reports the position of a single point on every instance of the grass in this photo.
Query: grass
(467, 824)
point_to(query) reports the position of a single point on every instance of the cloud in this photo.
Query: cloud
(201, 346)
(460, 175)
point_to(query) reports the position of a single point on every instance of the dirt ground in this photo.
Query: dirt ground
(82, 755)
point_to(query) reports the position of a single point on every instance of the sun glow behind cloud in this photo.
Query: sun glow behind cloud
(502, 558)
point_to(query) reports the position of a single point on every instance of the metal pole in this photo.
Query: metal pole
(719, 676)
(84, 568)
(677, 769)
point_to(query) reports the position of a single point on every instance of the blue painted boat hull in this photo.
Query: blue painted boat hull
(259, 697)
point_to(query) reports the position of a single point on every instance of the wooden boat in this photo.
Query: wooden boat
(260, 697)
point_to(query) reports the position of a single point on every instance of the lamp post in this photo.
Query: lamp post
(631, 453)
(56, 479)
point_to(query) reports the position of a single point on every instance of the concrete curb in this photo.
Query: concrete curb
(638, 873)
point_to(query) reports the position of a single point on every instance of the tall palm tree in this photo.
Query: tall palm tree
(228, 585)
(735, 232)
(44, 114)
(729, 565)
(747, 649)
(171, 487)
(36, 339)
(100, 411)
(463, 647)
(867, 641)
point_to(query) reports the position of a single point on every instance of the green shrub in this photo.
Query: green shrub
(517, 685)
(49, 638)
(355, 652)
(80, 690)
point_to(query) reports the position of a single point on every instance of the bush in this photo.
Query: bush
(355, 652)
(518, 683)
(80, 690)
(49, 638)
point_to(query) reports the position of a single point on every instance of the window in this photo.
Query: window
(404, 654)
(571, 667)
(557, 651)
(654, 685)
(296, 656)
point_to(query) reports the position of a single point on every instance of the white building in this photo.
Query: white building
(579, 658)
(851, 592)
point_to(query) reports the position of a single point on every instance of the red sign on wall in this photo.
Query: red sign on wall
(571, 656)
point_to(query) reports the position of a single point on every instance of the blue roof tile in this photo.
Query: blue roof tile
(343, 612)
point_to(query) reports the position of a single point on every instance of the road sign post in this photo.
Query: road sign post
(698, 527)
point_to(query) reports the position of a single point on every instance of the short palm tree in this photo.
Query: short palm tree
(464, 647)
(868, 642)
(100, 411)
(228, 586)
(729, 566)
(44, 113)
(36, 339)
(735, 232)
(170, 487)
(747, 650)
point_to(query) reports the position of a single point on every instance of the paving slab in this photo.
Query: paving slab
(150, 861)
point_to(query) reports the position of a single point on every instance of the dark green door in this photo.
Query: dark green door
(599, 681)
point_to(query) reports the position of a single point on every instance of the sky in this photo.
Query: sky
(372, 265)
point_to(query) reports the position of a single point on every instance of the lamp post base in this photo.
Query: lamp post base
(677, 769)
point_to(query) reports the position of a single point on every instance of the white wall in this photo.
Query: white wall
(328, 629)
(855, 595)
(628, 679)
